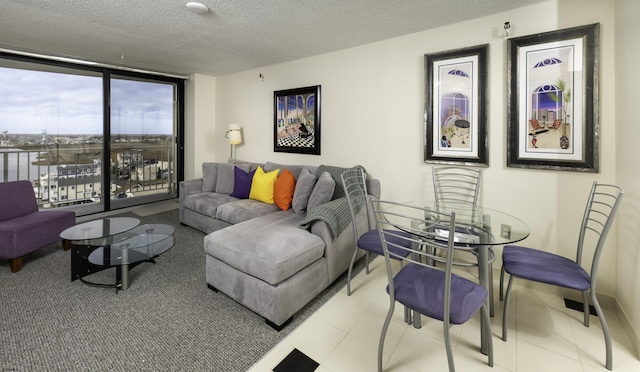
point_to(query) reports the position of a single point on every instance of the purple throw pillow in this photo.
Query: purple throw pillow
(242, 183)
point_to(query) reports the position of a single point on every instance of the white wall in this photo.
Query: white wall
(200, 128)
(628, 137)
(372, 105)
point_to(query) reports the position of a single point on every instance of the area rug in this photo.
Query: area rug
(168, 320)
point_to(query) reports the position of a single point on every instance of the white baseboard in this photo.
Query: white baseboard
(628, 328)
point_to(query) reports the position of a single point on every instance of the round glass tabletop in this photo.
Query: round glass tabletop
(478, 225)
(100, 228)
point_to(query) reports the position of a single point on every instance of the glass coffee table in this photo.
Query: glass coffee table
(117, 242)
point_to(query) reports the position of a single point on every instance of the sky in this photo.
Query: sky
(36, 101)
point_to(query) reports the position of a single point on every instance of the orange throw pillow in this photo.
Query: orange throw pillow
(283, 190)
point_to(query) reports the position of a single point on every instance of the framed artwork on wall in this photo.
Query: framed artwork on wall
(552, 100)
(455, 107)
(296, 120)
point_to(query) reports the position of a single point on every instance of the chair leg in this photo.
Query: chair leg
(447, 345)
(605, 331)
(353, 260)
(501, 281)
(367, 262)
(585, 308)
(489, 335)
(66, 244)
(505, 312)
(15, 264)
(491, 310)
(383, 334)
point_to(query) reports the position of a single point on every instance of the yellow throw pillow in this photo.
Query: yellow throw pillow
(262, 185)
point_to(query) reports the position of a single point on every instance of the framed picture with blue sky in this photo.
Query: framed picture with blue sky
(552, 100)
(455, 106)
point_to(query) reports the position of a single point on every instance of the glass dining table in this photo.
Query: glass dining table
(478, 227)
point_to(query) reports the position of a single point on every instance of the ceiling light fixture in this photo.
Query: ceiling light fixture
(198, 8)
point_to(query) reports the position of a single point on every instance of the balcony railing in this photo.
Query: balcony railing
(69, 175)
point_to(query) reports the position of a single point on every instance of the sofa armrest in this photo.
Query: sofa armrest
(338, 249)
(190, 187)
(186, 188)
(373, 187)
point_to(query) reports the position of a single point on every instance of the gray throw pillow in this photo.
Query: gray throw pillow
(304, 187)
(226, 178)
(252, 166)
(322, 191)
(209, 177)
(294, 169)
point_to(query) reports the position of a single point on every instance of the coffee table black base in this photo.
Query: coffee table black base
(81, 266)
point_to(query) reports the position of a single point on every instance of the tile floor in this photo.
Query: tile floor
(343, 335)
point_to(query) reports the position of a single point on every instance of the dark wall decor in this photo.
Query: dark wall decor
(455, 108)
(296, 123)
(552, 100)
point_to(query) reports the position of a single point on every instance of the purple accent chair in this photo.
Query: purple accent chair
(23, 228)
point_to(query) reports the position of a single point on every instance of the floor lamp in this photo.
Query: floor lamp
(235, 137)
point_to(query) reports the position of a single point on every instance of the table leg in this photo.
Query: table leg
(485, 279)
(124, 268)
(483, 273)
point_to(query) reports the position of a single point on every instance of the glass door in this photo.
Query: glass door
(142, 146)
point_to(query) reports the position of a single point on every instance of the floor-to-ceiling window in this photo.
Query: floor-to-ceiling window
(91, 139)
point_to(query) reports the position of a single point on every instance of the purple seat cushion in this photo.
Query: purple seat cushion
(544, 267)
(370, 241)
(26, 234)
(421, 289)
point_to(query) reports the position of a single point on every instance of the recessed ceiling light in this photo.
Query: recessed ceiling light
(196, 7)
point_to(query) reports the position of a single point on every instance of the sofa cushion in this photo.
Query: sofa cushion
(242, 183)
(225, 181)
(209, 177)
(262, 185)
(22, 200)
(283, 189)
(336, 172)
(206, 202)
(252, 166)
(271, 248)
(295, 169)
(322, 191)
(304, 187)
(243, 209)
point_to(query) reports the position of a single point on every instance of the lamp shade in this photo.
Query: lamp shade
(234, 134)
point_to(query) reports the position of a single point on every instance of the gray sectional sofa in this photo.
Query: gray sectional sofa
(273, 261)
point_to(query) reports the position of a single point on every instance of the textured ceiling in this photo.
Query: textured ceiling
(235, 35)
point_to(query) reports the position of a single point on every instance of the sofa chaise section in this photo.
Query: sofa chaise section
(247, 262)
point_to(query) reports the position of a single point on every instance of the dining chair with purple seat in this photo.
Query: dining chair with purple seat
(431, 290)
(461, 185)
(550, 268)
(366, 238)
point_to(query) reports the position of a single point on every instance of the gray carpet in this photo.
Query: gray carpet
(168, 320)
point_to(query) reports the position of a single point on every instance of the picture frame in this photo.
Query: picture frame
(296, 120)
(455, 106)
(552, 100)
